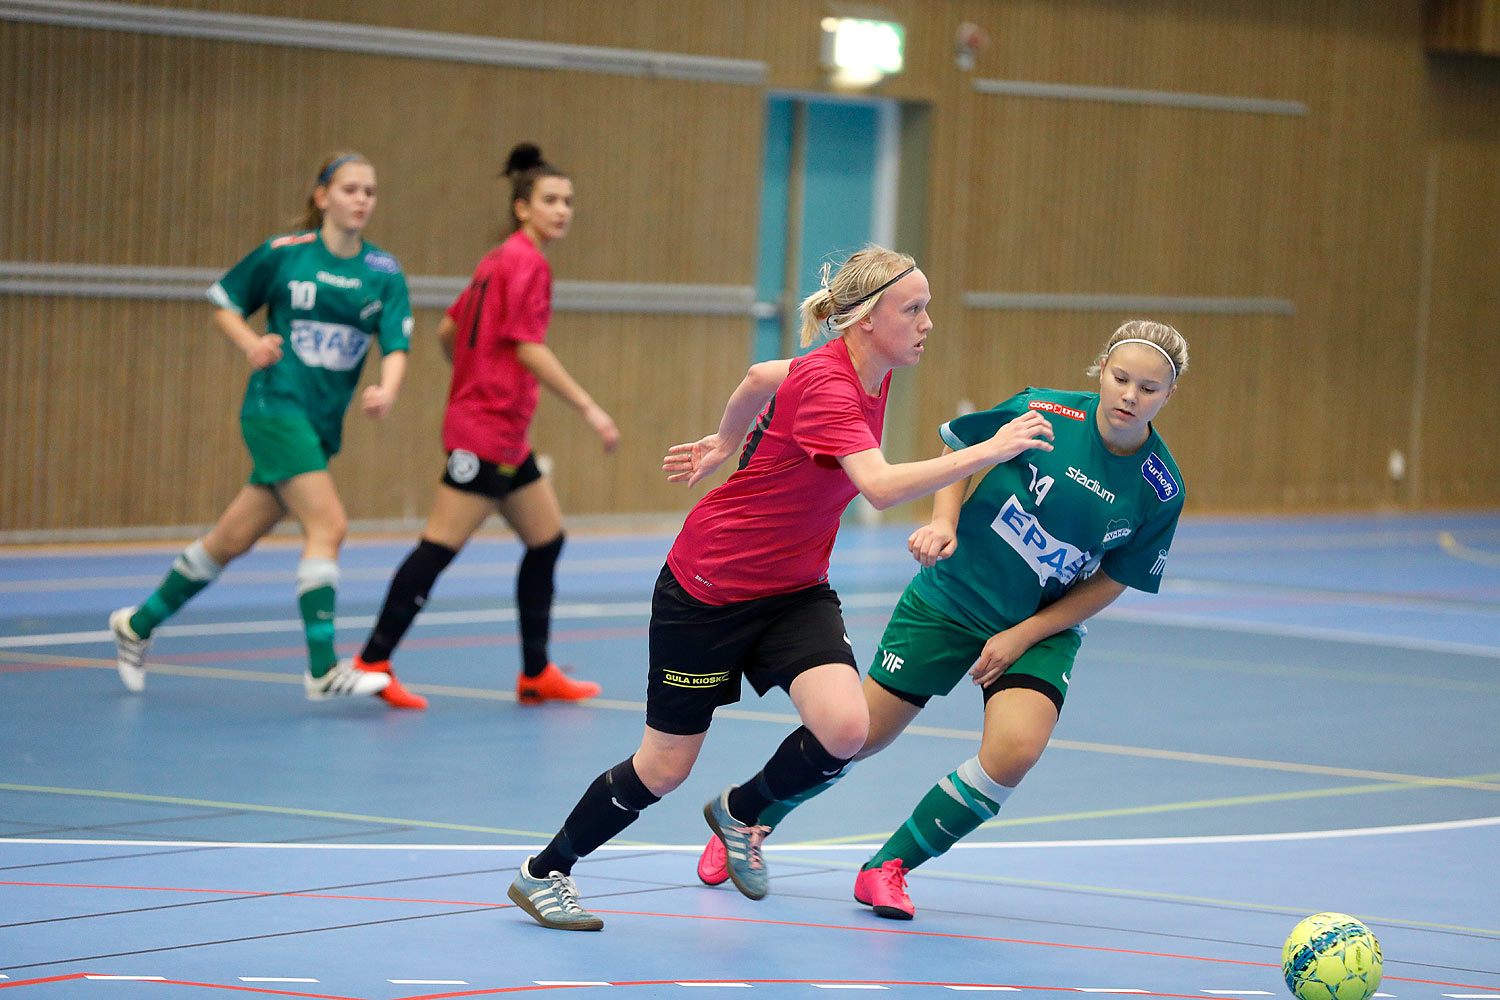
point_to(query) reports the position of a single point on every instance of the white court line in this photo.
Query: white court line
(1230, 838)
(1473, 996)
(848, 986)
(275, 979)
(1241, 993)
(429, 982)
(1007, 989)
(1092, 989)
(133, 979)
(570, 982)
(729, 986)
(642, 609)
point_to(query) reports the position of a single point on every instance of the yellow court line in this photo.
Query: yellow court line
(1166, 807)
(1171, 897)
(1458, 550)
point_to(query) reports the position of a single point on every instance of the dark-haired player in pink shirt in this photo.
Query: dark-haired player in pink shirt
(495, 335)
(745, 589)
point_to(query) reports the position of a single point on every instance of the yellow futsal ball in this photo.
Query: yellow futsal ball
(1331, 956)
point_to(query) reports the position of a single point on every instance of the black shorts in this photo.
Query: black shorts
(468, 472)
(700, 651)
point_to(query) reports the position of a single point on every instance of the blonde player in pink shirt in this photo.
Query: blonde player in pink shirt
(745, 593)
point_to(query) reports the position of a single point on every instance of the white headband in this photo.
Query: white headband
(1149, 343)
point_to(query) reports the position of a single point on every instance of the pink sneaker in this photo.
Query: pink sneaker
(713, 864)
(884, 888)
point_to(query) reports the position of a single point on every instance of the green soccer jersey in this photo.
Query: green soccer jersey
(1045, 520)
(325, 309)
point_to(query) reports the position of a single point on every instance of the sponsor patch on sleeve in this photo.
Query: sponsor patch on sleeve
(293, 240)
(1062, 411)
(1155, 472)
(377, 261)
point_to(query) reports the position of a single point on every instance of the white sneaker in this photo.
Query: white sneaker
(130, 650)
(341, 680)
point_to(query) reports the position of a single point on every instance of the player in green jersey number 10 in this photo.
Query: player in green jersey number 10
(327, 293)
(1009, 574)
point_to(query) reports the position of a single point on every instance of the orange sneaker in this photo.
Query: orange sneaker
(552, 685)
(395, 692)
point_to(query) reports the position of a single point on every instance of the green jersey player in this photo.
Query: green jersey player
(1008, 576)
(327, 295)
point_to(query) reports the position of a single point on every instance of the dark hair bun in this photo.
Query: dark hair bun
(522, 158)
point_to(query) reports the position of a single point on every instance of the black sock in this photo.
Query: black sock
(798, 764)
(611, 804)
(534, 587)
(408, 592)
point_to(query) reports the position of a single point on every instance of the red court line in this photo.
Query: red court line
(184, 982)
(741, 920)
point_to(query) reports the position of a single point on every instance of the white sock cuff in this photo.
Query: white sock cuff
(973, 775)
(313, 573)
(196, 564)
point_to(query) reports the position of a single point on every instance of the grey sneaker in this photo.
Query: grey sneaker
(741, 847)
(343, 679)
(130, 650)
(552, 901)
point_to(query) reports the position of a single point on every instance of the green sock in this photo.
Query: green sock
(777, 811)
(190, 573)
(317, 622)
(951, 810)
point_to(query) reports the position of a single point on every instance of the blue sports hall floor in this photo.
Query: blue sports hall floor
(1307, 718)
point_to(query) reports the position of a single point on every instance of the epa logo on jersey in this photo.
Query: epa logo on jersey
(1048, 557)
(332, 346)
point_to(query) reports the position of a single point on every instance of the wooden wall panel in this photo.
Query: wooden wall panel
(146, 150)
(1459, 421)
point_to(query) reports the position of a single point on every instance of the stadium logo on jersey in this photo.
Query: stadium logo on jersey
(1048, 557)
(1155, 472)
(293, 240)
(1160, 564)
(1092, 485)
(338, 280)
(333, 346)
(377, 261)
(1116, 530)
(1057, 408)
(463, 466)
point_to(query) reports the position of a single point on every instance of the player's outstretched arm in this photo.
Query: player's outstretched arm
(691, 461)
(886, 485)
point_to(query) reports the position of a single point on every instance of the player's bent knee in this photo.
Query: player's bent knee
(844, 736)
(1007, 761)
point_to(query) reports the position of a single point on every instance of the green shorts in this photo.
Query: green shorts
(925, 653)
(282, 447)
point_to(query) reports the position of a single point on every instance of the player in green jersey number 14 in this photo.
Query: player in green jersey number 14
(327, 293)
(1009, 575)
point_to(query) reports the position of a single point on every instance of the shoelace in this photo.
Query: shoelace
(754, 836)
(894, 877)
(567, 892)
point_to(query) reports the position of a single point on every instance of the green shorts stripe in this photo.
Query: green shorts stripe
(924, 652)
(282, 447)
